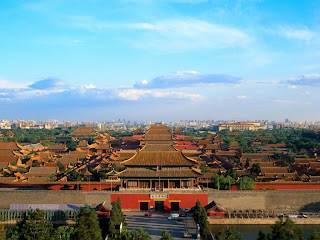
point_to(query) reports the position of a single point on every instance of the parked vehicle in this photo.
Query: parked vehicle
(187, 235)
(173, 216)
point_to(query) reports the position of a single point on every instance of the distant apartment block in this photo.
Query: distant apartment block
(241, 126)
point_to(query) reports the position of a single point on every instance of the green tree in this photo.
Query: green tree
(229, 233)
(283, 229)
(87, 227)
(247, 163)
(12, 234)
(62, 168)
(72, 146)
(34, 226)
(64, 233)
(26, 158)
(36, 163)
(111, 227)
(315, 236)
(201, 218)
(133, 235)
(204, 168)
(245, 183)
(166, 236)
(255, 168)
(75, 176)
(116, 216)
(142, 235)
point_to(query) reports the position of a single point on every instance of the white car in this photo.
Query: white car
(187, 235)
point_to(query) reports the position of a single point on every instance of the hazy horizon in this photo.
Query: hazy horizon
(150, 60)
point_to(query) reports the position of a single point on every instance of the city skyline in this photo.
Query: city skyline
(160, 60)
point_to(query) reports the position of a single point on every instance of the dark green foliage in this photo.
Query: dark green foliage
(31, 135)
(72, 146)
(297, 139)
(140, 235)
(62, 168)
(166, 236)
(75, 176)
(25, 159)
(116, 216)
(315, 236)
(204, 168)
(245, 183)
(283, 229)
(64, 232)
(111, 227)
(133, 235)
(34, 226)
(229, 233)
(36, 163)
(263, 236)
(201, 218)
(255, 168)
(247, 163)
(117, 167)
(12, 234)
(222, 182)
(87, 227)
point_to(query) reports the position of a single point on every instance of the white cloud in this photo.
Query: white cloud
(77, 41)
(284, 101)
(170, 34)
(144, 82)
(293, 86)
(182, 34)
(5, 84)
(182, 79)
(60, 93)
(90, 86)
(135, 94)
(242, 97)
(48, 84)
(294, 32)
(305, 80)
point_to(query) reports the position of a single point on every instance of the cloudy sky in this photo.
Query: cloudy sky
(160, 59)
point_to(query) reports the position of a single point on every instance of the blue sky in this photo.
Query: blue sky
(160, 60)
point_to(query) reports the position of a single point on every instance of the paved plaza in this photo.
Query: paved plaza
(155, 224)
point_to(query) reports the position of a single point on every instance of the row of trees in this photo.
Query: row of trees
(224, 181)
(284, 229)
(35, 226)
(297, 139)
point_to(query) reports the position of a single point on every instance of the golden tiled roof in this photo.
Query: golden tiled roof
(147, 173)
(159, 158)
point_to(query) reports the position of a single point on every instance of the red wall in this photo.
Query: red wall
(131, 201)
